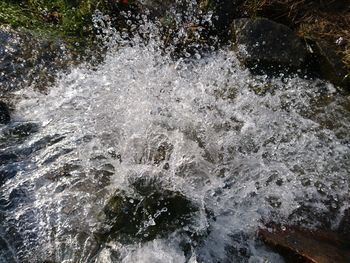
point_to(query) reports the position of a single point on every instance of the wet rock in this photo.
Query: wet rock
(238, 250)
(224, 12)
(6, 254)
(22, 130)
(17, 132)
(157, 8)
(344, 225)
(4, 113)
(7, 158)
(162, 153)
(127, 218)
(306, 246)
(308, 214)
(328, 63)
(27, 58)
(7, 173)
(123, 12)
(146, 183)
(262, 42)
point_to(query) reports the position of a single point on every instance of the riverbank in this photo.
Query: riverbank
(322, 26)
(201, 133)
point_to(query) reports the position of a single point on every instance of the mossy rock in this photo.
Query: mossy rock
(128, 219)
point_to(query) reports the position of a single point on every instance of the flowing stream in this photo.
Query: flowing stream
(246, 150)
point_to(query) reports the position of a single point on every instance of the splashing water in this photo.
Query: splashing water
(247, 149)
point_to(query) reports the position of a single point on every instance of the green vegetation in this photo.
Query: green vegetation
(68, 19)
(315, 20)
(57, 15)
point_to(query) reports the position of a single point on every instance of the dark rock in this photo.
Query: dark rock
(23, 130)
(6, 253)
(306, 246)
(344, 225)
(7, 173)
(157, 8)
(328, 63)
(262, 42)
(18, 132)
(6, 158)
(145, 184)
(134, 8)
(224, 12)
(4, 113)
(128, 218)
(27, 58)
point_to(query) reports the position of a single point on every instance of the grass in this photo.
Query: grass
(68, 19)
(71, 19)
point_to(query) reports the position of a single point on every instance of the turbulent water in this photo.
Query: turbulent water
(247, 150)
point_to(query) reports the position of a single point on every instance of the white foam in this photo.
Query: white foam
(243, 156)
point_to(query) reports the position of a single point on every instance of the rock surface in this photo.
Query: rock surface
(264, 42)
(344, 225)
(329, 64)
(224, 11)
(4, 113)
(144, 218)
(26, 59)
(157, 8)
(306, 246)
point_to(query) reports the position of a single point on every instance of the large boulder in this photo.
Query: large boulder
(129, 218)
(262, 42)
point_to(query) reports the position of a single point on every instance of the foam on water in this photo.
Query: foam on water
(247, 149)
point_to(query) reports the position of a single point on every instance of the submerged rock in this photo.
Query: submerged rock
(17, 132)
(144, 218)
(262, 42)
(4, 113)
(302, 245)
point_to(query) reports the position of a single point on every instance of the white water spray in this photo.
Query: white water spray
(248, 149)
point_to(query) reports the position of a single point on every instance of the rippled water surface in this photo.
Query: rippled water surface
(246, 150)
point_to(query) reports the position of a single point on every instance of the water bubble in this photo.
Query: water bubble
(122, 107)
